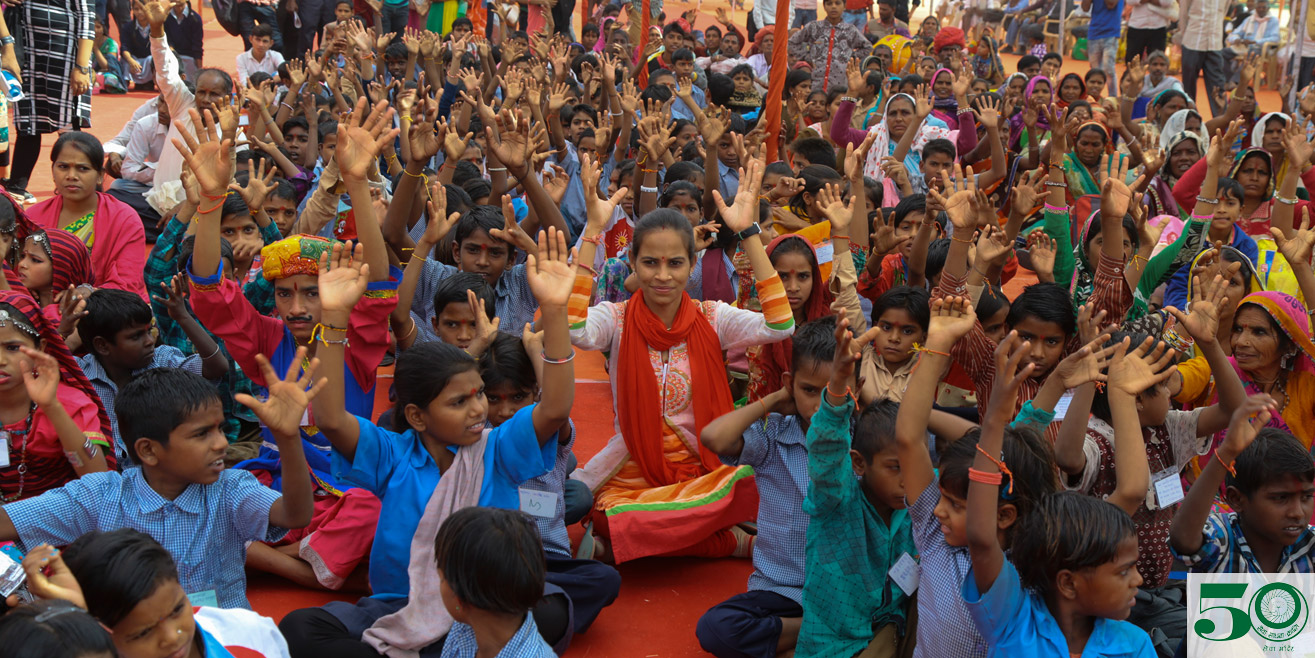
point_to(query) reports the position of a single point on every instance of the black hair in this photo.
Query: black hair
(110, 311)
(82, 142)
(875, 429)
(1095, 71)
(234, 204)
(477, 188)
(53, 629)
(917, 301)
(584, 108)
(282, 189)
(506, 361)
(662, 219)
(326, 128)
(578, 62)
(681, 171)
(780, 167)
(1030, 458)
(942, 146)
(156, 402)
(816, 150)
(118, 570)
(673, 27)
(1047, 302)
(463, 22)
(1050, 56)
(478, 218)
(263, 30)
(678, 187)
(1274, 455)
(255, 79)
(465, 170)
(1129, 228)
(682, 55)
(720, 88)
(907, 206)
(457, 199)
(1027, 61)
(396, 50)
(1100, 402)
(992, 300)
(1074, 105)
(655, 92)
(492, 559)
(1067, 531)
(296, 122)
(937, 252)
(911, 79)
(814, 342)
(452, 290)
(1232, 188)
(815, 176)
(742, 68)
(422, 373)
(794, 78)
(188, 245)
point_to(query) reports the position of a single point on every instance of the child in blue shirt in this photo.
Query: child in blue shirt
(1076, 555)
(492, 567)
(441, 407)
(936, 507)
(858, 531)
(765, 620)
(1269, 490)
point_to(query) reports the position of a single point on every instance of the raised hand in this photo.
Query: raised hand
(550, 275)
(440, 223)
(1028, 193)
(830, 199)
(741, 214)
(1247, 421)
(922, 103)
(1010, 373)
(40, 376)
(155, 11)
(705, 235)
(259, 184)
(514, 143)
(1042, 249)
(884, 241)
(173, 295)
(511, 231)
(599, 210)
(206, 155)
(951, 319)
(1136, 74)
(993, 246)
(1296, 249)
(282, 410)
(1137, 370)
(1299, 150)
(1087, 364)
(425, 136)
(849, 349)
(1207, 300)
(344, 275)
(362, 138)
(485, 329)
(959, 205)
(1115, 195)
(49, 578)
(72, 308)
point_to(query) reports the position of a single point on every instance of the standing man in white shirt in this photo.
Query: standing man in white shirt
(1201, 35)
(115, 148)
(142, 154)
(260, 58)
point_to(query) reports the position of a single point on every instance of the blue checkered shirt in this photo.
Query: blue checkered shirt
(515, 302)
(1225, 550)
(776, 449)
(944, 626)
(205, 529)
(556, 542)
(165, 357)
(526, 643)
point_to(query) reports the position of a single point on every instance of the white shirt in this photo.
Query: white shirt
(247, 64)
(1203, 24)
(120, 142)
(180, 100)
(144, 148)
(1144, 17)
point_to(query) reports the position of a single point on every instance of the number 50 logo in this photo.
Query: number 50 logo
(1276, 611)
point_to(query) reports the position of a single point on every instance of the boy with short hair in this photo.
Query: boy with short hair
(765, 620)
(859, 530)
(1268, 477)
(182, 495)
(119, 336)
(1050, 65)
(463, 314)
(261, 57)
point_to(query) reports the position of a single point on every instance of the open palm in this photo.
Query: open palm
(550, 276)
(362, 139)
(951, 319)
(1135, 371)
(343, 283)
(288, 398)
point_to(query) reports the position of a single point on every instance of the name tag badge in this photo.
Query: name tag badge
(541, 504)
(1168, 487)
(204, 599)
(905, 574)
(4, 449)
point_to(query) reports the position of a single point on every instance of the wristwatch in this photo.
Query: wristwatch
(84, 69)
(754, 229)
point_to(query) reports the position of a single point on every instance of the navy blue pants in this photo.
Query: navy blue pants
(747, 625)
(589, 584)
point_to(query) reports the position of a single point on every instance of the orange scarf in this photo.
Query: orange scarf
(639, 400)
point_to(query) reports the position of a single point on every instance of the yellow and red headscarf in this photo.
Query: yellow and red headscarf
(299, 254)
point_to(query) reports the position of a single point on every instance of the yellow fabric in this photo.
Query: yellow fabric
(83, 228)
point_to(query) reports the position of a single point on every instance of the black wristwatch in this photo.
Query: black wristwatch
(754, 229)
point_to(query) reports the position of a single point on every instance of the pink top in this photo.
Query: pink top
(118, 253)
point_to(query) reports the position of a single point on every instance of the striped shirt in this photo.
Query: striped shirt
(1225, 550)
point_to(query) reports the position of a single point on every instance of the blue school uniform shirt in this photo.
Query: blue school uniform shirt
(397, 468)
(1175, 292)
(574, 210)
(1016, 622)
(944, 626)
(166, 356)
(776, 449)
(526, 643)
(205, 529)
(679, 110)
(552, 530)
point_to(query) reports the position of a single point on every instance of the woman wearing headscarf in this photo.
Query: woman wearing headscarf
(1040, 91)
(949, 101)
(53, 261)
(58, 429)
(902, 115)
(985, 61)
(1183, 145)
(760, 57)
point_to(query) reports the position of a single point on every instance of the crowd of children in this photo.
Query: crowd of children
(812, 358)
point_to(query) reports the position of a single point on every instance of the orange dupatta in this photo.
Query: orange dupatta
(639, 400)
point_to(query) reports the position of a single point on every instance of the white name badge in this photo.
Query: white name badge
(204, 599)
(905, 574)
(542, 504)
(1168, 488)
(4, 449)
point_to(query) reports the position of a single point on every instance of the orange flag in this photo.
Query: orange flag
(776, 78)
(646, 14)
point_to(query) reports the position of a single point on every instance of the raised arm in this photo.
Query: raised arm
(360, 140)
(281, 412)
(344, 275)
(552, 280)
(1133, 373)
(1203, 325)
